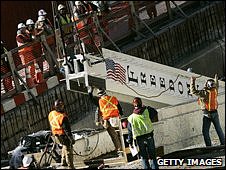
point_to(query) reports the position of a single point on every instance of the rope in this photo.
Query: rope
(160, 92)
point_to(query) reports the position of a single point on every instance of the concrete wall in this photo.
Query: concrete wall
(181, 126)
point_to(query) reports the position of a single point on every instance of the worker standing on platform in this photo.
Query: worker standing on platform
(43, 27)
(208, 103)
(83, 19)
(31, 28)
(63, 19)
(109, 110)
(27, 53)
(140, 128)
(61, 131)
(42, 12)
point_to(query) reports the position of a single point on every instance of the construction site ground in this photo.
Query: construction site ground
(216, 154)
(112, 162)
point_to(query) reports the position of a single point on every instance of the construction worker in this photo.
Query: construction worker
(45, 27)
(108, 109)
(42, 12)
(26, 54)
(23, 35)
(80, 17)
(90, 7)
(140, 128)
(61, 131)
(17, 156)
(31, 28)
(29, 162)
(37, 49)
(5, 68)
(208, 104)
(63, 19)
(42, 27)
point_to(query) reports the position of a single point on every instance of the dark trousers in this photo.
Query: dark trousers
(146, 145)
(214, 118)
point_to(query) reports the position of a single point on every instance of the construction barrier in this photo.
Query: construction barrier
(38, 74)
(29, 79)
(7, 81)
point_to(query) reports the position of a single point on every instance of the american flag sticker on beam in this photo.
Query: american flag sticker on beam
(115, 71)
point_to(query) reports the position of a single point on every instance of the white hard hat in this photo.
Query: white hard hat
(21, 25)
(78, 3)
(27, 161)
(41, 12)
(41, 18)
(30, 22)
(60, 6)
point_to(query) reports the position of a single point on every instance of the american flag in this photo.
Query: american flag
(115, 71)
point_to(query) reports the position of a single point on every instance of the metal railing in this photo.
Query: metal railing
(103, 31)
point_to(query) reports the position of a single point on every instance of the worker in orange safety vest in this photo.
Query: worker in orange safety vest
(26, 54)
(108, 114)
(208, 103)
(61, 131)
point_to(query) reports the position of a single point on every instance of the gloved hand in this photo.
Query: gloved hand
(97, 123)
(130, 145)
(90, 89)
(72, 141)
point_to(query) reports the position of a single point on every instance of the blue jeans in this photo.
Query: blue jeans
(146, 145)
(213, 117)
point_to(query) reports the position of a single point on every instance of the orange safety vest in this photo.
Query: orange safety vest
(26, 53)
(211, 103)
(83, 32)
(56, 121)
(108, 107)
